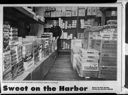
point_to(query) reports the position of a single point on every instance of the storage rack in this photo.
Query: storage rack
(19, 17)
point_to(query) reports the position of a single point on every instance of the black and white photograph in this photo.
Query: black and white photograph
(62, 45)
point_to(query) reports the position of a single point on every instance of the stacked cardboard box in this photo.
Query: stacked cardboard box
(6, 36)
(7, 75)
(88, 63)
(81, 12)
(109, 32)
(28, 55)
(14, 60)
(94, 11)
(13, 36)
(7, 65)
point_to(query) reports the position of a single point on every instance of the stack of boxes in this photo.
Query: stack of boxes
(21, 54)
(104, 40)
(7, 75)
(28, 56)
(61, 12)
(13, 36)
(20, 59)
(12, 53)
(81, 11)
(47, 37)
(88, 63)
(65, 24)
(108, 61)
(94, 11)
(6, 36)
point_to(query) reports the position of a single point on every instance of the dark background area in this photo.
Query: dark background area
(54, 1)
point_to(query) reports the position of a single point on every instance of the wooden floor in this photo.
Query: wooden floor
(62, 70)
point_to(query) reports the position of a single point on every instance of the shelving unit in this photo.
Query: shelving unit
(36, 73)
(22, 14)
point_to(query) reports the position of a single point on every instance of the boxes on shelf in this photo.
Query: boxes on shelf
(81, 12)
(13, 33)
(28, 55)
(19, 53)
(6, 60)
(7, 75)
(68, 13)
(13, 36)
(87, 69)
(6, 31)
(14, 54)
(20, 68)
(74, 12)
(108, 72)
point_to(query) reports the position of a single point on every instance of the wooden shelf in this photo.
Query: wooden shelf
(21, 14)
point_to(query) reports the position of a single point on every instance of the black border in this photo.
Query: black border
(55, 1)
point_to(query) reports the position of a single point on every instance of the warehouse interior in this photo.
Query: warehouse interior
(87, 48)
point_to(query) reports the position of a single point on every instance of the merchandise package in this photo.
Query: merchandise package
(28, 56)
(88, 69)
(6, 31)
(88, 63)
(20, 68)
(81, 12)
(14, 54)
(6, 61)
(8, 74)
(13, 36)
